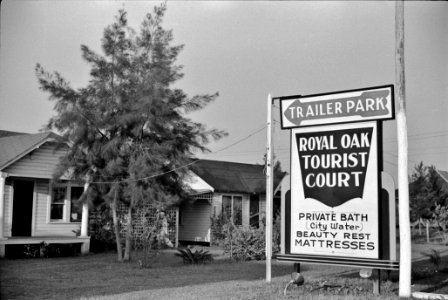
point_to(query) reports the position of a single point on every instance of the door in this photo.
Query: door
(22, 210)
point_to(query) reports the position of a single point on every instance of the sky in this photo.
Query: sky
(246, 50)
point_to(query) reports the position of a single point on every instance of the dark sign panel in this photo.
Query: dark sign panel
(334, 163)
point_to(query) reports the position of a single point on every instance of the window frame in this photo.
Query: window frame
(66, 203)
(232, 208)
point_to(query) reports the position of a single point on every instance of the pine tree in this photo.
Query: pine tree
(128, 122)
(420, 195)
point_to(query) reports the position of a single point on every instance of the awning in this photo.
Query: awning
(197, 184)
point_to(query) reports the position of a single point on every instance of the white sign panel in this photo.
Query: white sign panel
(367, 104)
(334, 190)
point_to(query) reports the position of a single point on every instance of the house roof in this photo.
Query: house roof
(443, 182)
(233, 177)
(5, 133)
(16, 145)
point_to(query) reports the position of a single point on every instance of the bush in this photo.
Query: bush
(434, 258)
(42, 250)
(245, 243)
(218, 235)
(102, 237)
(197, 257)
(248, 243)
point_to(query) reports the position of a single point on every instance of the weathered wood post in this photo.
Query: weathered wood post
(403, 187)
(269, 183)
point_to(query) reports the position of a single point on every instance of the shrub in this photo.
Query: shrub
(197, 257)
(434, 258)
(102, 237)
(249, 243)
(42, 250)
(151, 239)
(440, 215)
(218, 235)
(245, 243)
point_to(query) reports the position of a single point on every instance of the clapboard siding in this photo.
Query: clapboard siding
(42, 225)
(196, 223)
(246, 211)
(216, 205)
(7, 208)
(263, 205)
(40, 163)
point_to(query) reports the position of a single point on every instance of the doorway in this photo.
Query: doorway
(22, 211)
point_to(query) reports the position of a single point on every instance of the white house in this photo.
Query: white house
(33, 209)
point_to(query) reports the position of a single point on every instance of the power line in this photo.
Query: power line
(419, 137)
(183, 166)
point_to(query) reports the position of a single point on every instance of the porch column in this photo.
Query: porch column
(85, 247)
(2, 211)
(3, 176)
(85, 215)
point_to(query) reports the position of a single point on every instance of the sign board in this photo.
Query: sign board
(335, 191)
(375, 103)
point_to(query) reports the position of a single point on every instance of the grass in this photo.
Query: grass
(257, 289)
(99, 276)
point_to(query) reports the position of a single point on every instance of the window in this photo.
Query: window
(254, 209)
(232, 209)
(64, 203)
(75, 206)
(58, 203)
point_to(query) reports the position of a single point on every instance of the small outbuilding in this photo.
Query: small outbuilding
(222, 189)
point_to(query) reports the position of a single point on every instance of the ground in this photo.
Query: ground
(101, 277)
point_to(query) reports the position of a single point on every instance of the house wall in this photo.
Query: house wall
(262, 205)
(39, 166)
(216, 205)
(40, 163)
(246, 210)
(195, 223)
(41, 225)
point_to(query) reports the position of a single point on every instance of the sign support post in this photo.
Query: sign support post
(269, 184)
(403, 188)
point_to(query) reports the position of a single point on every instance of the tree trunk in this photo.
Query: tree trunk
(116, 228)
(128, 245)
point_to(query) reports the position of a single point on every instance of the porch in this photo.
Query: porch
(84, 241)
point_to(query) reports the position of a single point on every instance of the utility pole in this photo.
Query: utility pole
(269, 184)
(403, 185)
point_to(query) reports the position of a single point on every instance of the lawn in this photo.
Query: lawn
(99, 276)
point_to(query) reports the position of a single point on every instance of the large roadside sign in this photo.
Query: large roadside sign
(333, 210)
(375, 103)
(334, 187)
